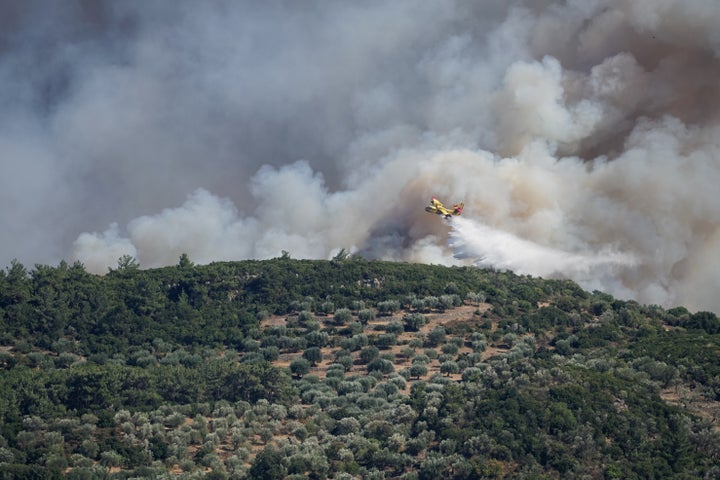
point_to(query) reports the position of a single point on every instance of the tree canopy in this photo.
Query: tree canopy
(347, 368)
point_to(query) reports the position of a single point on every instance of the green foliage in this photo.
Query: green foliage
(418, 370)
(388, 307)
(148, 370)
(185, 262)
(449, 367)
(268, 465)
(365, 315)
(313, 355)
(436, 336)
(127, 262)
(414, 321)
(385, 340)
(368, 354)
(342, 316)
(706, 321)
(381, 365)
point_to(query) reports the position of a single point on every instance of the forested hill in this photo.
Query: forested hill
(347, 369)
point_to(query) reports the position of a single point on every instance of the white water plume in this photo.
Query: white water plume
(489, 247)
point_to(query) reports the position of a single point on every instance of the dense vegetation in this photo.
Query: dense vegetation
(347, 369)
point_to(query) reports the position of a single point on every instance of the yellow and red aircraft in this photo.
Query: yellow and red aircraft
(437, 207)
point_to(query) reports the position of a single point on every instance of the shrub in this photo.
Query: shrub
(414, 321)
(394, 327)
(365, 315)
(326, 308)
(386, 340)
(449, 367)
(417, 370)
(449, 348)
(436, 336)
(313, 355)
(388, 307)
(300, 367)
(368, 354)
(342, 316)
(381, 365)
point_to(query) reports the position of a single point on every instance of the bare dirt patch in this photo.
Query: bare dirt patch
(687, 398)
(273, 321)
(450, 318)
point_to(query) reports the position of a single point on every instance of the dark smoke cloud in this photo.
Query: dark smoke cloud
(583, 130)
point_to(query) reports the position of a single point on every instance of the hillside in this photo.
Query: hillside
(347, 369)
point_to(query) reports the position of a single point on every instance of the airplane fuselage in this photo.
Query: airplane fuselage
(438, 208)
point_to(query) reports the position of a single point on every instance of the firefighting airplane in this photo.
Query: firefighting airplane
(437, 207)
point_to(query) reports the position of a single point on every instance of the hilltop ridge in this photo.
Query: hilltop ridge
(345, 369)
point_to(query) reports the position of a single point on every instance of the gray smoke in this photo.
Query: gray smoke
(239, 129)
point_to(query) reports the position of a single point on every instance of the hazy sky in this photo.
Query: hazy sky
(579, 129)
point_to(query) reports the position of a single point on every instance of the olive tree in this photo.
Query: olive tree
(313, 355)
(300, 367)
(342, 316)
(449, 367)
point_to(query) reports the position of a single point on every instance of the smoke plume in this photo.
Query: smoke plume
(583, 136)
